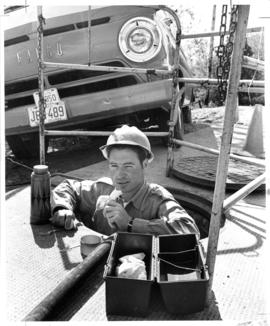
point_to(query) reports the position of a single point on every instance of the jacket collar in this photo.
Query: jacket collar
(138, 198)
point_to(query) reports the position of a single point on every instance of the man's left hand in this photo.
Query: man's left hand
(116, 215)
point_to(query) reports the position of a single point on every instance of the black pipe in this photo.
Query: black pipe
(46, 306)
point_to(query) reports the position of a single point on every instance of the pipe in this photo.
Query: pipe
(89, 35)
(106, 68)
(97, 133)
(216, 152)
(243, 192)
(241, 89)
(214, 81)
(41, 87)
(211, 47)
(259, 83)
(217, 33)
(46, 306)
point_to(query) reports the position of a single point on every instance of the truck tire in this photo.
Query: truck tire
(25, 146)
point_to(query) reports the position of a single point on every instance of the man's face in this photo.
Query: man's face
(126, 170)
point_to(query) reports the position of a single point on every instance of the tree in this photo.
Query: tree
(197, 52)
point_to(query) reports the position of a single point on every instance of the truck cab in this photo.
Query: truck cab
(121, 36)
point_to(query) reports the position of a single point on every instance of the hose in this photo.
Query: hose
(42, 311)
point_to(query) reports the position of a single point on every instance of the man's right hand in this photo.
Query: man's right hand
(64, 218)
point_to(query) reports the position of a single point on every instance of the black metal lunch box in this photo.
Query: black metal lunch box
(174, 262)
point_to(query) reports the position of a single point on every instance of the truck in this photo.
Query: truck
(82, 99)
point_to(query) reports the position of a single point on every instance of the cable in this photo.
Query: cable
(23, 165)
(64, 175)
(179, 267)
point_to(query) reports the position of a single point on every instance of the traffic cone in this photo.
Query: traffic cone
(255, 136)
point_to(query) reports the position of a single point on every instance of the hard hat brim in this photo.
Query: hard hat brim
(104, 148)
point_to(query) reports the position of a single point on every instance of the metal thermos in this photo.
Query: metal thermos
(40, 195)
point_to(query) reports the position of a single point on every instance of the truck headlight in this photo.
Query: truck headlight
(140, 39)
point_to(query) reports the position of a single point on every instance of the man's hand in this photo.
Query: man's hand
(65, 218)
(116, 215)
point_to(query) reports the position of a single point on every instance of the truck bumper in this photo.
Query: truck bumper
(97, 106)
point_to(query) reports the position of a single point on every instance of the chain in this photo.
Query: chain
(221, 54)
(175, 88)
(177, 64)
(224, 52)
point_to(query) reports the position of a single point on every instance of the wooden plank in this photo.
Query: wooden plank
(253, 63)
(243, 192)
(252, 67)
(223, 160)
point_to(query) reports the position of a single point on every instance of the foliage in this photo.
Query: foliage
(197, 53)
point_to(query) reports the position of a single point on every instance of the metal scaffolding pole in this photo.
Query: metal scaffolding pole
(216, 152)
(216, 33)
(175, 114)
(243, 192)
(161, 72)
(98, 133)
(212, 42)
(223, 160)
(169, 73)
(89, 35)
(41, 87)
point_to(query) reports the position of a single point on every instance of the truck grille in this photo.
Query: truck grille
(72, 75)
(97, 86)
(63, 82)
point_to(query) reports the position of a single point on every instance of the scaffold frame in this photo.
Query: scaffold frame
(234, 85)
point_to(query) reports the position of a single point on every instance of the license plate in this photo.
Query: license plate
(50, 96)
(54, 112)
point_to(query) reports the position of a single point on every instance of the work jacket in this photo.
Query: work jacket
(153, 209)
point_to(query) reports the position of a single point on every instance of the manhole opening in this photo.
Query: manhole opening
(199, 209)
(201, 171)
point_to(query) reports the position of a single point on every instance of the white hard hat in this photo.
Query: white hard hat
(128, 136)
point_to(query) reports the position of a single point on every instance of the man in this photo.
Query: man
(126, 202)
